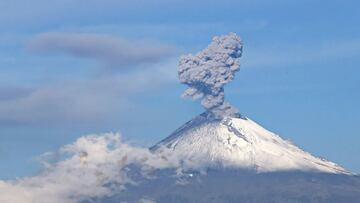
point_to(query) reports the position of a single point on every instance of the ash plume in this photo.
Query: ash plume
(207, 72)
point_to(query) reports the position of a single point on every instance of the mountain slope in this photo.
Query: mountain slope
(223, 160)
(234, 186)
(207, 141)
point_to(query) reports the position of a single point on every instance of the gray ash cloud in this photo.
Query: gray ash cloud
(207, 72)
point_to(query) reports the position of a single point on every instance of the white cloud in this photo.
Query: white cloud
(92, 167)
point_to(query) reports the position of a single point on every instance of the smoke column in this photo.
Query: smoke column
(209, 71)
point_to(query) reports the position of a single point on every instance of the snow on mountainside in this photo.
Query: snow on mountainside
(238, 143)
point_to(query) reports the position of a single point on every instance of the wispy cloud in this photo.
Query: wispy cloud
(81, 101)
(95, 99)
(10, 93)
(113, 51)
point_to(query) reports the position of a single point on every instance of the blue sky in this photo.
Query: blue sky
(70, 68)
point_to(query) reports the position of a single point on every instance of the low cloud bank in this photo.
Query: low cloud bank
(92, 167)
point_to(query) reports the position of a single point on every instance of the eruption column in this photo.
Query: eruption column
(209, 71)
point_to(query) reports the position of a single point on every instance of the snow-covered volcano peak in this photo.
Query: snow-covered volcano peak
(208, 141)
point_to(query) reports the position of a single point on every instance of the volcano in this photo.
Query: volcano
(238, 142)
(235, 160)
(223, 157)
